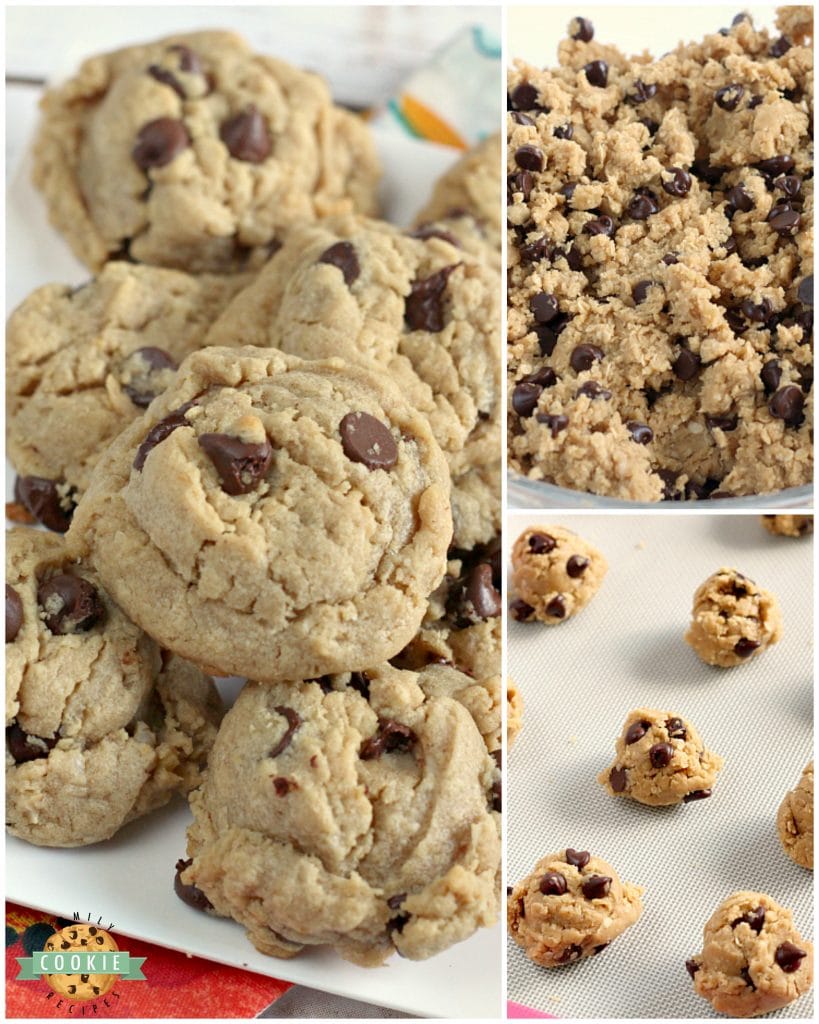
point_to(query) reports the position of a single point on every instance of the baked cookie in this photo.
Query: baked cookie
(375, 808)
(418, 309)
(101, 726)
(83, 363)
(555, 574)
(514, 712)
(753, 959)
(571, 906)
(660, 760)
(81, 938)
(477, 506)
(794, 821)
(788, 526)
(660, 258)
(271, 517)
(194, 152)
(732, 619)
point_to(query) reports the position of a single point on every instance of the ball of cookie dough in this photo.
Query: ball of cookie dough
(794, 820)
(571, 906)
(788, 526)
(732, 619)
(660, 760)
(753, 959)
(101, 726)
(194, 152)
(81, 938)
(363, 822)
(555, 574)
(270, 517)
(514, 712)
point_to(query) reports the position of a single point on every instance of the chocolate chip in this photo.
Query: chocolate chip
(523, 182)
(692, 967)
(166, 77)
(544, 307)
(744, 648)
(241, 465)
(71, 604)
(424, 308)
(556, 608)
(577, 858)
(24, 747)
(785, 220)
(643, 91)
(525, 398)
(597, 73)
(738, 198)
(581, 29)
(640, 432)
(780, 47)
(520, 610)
(533, 252)
(343, 256)
(757, 312)
(642, 206)
(565, 131)
(366, 439)
(496, 803)
(524, 97)
(360, 682)
(293, 722)
(545, 377)
(636, 731)
(576, 566)
(159, 432)
(553, 884)
(728, 96)
(596, 887)
(143, 374)
(391, 736)
(394, 902)
(188, 59)
(661, 754)
(599, 226)
(651, 124)
(568, 189)
(481, 594)
(790, 184)
(584, 356)
(283, 786)
(786, 405)
(247, 136)
(397, 924)
(541, 543)
(776, 165)
(640, 291)
(698, 794)
(728, 422)
(755, 919)
(592, 389)
(676, 729)
(617, 779)
(789, 957)
(529, 158)
(671, 258)
(555, 423)
(14, 613)
(159, 142)
(189, 894)
(708, 172)
(43, 499)
(805, 291)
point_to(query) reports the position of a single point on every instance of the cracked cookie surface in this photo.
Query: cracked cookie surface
(271, 517)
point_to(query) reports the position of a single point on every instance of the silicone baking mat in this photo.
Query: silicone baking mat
(580, 679)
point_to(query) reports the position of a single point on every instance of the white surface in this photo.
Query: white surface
(580, 679)
(130, 879)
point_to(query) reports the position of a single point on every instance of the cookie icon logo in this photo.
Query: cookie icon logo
(81, 938)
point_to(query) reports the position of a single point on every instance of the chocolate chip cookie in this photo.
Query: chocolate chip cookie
(101, 726)
(194, 152)
(83, 363)
(360, 820)
(661, 266)
(788, 526)
(271, 517)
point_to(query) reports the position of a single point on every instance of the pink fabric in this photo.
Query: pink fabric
(518, 1012)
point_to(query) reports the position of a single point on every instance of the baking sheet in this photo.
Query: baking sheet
(129, 880)
(581, 678)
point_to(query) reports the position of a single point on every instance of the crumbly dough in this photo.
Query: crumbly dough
(794, 820)
(271, 517)
(555, 574)
(81, 938)
(83, 363)
(571, 906)
(732, 619)
(753, 959)
(660, 760)
(360, 821)
(514, 712)
(660, 256)
(101, 726)
(194, 152)
(418, 309)
(788, 526)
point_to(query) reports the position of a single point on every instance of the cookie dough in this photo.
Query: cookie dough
(794, 821)
(555, 574)
(196, 153)
(660, 259)
(571, 906)
(660, 760)
(514, 712)
(733, 619)
(753, 959)
(357, 819)
(789, 526)
(83, 363)
(270, 517)
(101, 726)
(81, 938)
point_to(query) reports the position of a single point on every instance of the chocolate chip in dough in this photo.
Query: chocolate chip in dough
(581, 29)
(159, 142)
(789, 957)
(661, 755)
(190, 894)
(23, 747)
(14, 613)
(576, 566)
(247, 136)
(553, 884)
(144, 372)
(241, 465)
(367, 440)
(293, 720)
(50, 504)
(424, 307)
(596, 887)
(597, 73)
(71, 604)
(343, 256)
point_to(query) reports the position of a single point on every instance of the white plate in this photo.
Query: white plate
(129, 880)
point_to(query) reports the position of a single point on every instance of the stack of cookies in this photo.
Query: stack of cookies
(269, 429)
